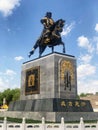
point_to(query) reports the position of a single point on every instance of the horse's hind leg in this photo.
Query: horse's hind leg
(64, 49)
(52, 49)
(41, 50)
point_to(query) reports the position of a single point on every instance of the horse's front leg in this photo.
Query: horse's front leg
(64, 51)
(31, 52)
(34, 48)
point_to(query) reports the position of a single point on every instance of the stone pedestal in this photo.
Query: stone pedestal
(54, 76)
(49, 85)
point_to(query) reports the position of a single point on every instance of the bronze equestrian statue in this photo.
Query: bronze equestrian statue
(50, 35)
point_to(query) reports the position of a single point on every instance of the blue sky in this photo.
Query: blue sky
(20, 27)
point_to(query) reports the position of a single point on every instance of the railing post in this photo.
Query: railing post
(62, 124)
(43, 123)
(97, 126)
(81, 125)
(5, 124)
(23, 123)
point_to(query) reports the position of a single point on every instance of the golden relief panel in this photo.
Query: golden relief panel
(67, 73)
(66, 66)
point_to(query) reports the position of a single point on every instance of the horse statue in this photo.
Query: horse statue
(53, 39)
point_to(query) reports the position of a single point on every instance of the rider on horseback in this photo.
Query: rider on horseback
(48, 23)
(50, 35)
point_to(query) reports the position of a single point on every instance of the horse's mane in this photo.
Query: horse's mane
(60, 20)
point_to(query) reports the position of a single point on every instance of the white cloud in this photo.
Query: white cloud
(85, 70)
(8, 79)
(95, 41)
(4, 84)
(7, 6)
(18, 58)
(97, 48)
(83, 42)
(85, 58)
(96, 27)
(68, 29)
(10, 72)
(7, 82)
(86, 75)
(88, 86)
(1, 82)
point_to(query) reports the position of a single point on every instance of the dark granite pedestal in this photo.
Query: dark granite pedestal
(51, 105)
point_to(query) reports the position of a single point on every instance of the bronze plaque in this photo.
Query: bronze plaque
(32, 81)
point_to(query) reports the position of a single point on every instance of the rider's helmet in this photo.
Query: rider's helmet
(49, 14)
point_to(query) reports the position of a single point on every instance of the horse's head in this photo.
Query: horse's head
(60, 24)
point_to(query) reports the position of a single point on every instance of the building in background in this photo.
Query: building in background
(93, 99)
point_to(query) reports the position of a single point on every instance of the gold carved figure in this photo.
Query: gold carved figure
(31, 80)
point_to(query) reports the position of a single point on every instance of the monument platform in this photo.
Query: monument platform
(51, 105)
(51, 116)
(49, 89)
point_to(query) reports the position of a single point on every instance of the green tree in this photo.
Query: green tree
(9, 95)
(16, 93)
(1, 98)
(96, 93)
(83, 95)
(78, 97)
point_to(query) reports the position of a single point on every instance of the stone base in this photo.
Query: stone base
(51, 76)
(51, 105)
(52, 116)
(49, 89)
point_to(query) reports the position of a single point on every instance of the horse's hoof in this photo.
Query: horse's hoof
(64, 51)
(29, 55)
